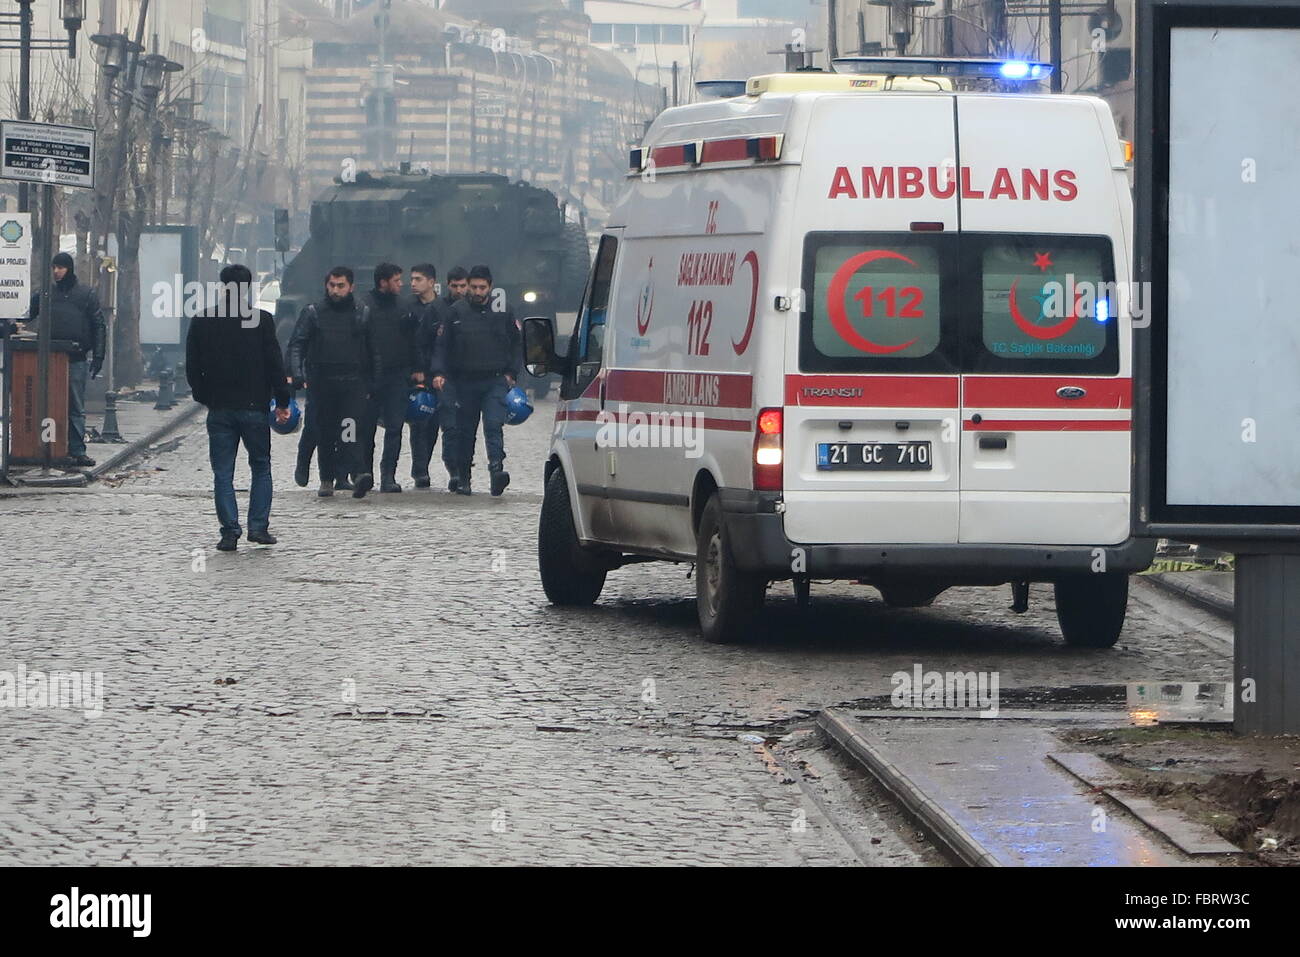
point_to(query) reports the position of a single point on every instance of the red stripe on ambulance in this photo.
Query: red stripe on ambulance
(881, 391)
(720, 390)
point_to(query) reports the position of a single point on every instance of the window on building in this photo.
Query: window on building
(673, 34)
(602, 33)
(647, 33)
(625, 33)
(223, 21)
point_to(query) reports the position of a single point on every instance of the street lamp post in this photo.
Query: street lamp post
(128, 76)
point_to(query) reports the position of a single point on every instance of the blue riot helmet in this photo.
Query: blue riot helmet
(295, 418)
(423, 405)
(518, 408)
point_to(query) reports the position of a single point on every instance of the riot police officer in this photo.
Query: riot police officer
(392, 335)
(476, 360)
(429, 309)
(330, 354)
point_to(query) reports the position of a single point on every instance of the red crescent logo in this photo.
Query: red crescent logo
(751, 257)
(648, 302)
(840, 316)
(1043, 332)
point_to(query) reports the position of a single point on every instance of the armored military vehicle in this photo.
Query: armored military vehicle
(538, 258)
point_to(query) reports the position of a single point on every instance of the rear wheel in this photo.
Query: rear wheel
(571, 575)
(1091, 608)
(727, 599)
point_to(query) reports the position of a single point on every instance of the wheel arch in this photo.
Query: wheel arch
(705, 484)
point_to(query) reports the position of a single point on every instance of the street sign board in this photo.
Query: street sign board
(1217, 360)
(15, 264)
(47, 154)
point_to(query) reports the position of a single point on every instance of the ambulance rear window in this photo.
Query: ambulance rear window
(1047, 303)
(875, 302)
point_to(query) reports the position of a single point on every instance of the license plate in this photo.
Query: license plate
(874, 456)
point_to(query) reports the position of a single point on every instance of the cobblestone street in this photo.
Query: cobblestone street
(402, 692)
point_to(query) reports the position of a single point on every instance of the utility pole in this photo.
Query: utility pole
(25, 86)
(1054, 35)
(832, 29)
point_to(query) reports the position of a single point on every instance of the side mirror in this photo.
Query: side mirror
(539, 348)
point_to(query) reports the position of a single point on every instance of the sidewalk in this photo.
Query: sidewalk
(140, 425)
(1144, 773)
(1212, 590)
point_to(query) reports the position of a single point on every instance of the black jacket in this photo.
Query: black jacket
(232, 363)
(429, 317)
(392, 332)
(474, 341)
(322, 328)
(77, 317)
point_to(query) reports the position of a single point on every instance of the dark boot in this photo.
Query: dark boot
(326, 489)
(364, 483)
(262, 538)
(343, 483)
(302, 471)
(388, 481)
(500, 479)
(229, 542)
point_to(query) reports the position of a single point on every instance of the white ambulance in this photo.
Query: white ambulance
(856, 325)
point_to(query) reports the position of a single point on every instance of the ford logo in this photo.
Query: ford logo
(1071, 392)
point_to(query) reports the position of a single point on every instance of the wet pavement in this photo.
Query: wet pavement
(388, 685)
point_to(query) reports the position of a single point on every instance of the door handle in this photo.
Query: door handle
(993, 442)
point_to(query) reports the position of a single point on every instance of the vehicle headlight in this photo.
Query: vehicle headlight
(530, 296)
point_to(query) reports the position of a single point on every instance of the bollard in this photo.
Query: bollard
(110, 433)
(166, 390)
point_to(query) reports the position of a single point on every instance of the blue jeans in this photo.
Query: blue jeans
(477, 397)
(226, 429)
(78, 370)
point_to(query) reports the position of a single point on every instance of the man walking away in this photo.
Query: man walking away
(392, 334)
(331, 357)
(75, 315)
(477, 355)
(234, 367)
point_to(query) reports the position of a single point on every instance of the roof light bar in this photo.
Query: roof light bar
(964, 67)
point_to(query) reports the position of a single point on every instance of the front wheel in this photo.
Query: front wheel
(570, 574)
(727, 599)
(1091, 608)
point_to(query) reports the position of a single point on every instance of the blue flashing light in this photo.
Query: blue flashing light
(1103, 310)
(960, 67)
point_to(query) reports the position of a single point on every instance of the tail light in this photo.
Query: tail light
(768, 452)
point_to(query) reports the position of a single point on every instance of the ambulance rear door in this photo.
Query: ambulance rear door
(1046, 392)
(872, 382)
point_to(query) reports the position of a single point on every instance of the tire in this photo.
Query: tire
(727, 600)
(570, 575)
(909, 595)
(575, 264)
(1091, 608)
